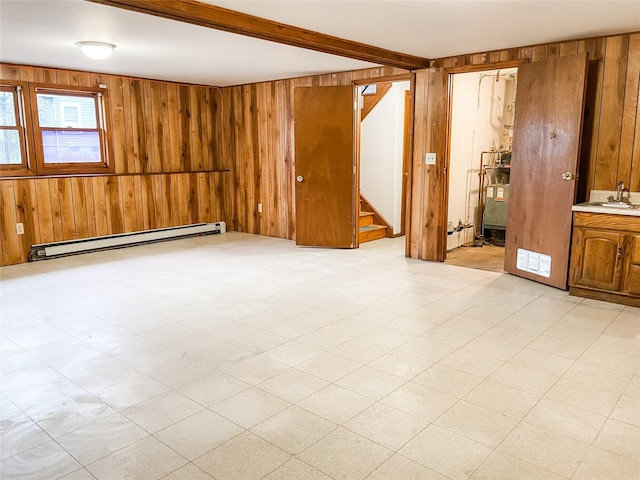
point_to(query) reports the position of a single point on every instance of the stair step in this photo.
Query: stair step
(366, 218)
(369, 233)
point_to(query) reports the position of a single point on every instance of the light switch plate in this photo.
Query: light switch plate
(430, 159)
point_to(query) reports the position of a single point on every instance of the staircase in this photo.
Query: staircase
(369, 231)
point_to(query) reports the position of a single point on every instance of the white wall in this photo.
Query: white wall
(381, 145)
(477, 125)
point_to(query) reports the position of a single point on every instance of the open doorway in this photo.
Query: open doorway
(480, 141)
(383, 152)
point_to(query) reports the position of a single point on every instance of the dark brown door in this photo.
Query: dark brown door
(546, 149)
(324, 166)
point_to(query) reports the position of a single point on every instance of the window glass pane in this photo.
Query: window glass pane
(70, 147)
(10, 148)
(7, 109)
(53, 109)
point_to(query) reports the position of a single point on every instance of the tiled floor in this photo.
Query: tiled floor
(239, 357)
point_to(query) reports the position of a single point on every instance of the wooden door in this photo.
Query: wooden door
(324, 166)
(597, 256)
(544, 164)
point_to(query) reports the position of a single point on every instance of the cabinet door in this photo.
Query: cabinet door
(599, 259)
(633, 282)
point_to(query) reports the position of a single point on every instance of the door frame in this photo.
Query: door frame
(407, 148)
(450, 72)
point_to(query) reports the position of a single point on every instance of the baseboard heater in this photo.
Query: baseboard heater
(70, 247)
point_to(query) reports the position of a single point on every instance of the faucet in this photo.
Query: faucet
(619, 194)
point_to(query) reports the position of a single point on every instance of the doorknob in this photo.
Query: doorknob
(568, 176)
(299, 179)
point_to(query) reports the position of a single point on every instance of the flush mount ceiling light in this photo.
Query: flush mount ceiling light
(96, 50)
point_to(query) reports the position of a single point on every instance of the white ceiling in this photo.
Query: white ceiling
(44, 33)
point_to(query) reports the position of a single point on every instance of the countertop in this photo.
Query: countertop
(602, 196)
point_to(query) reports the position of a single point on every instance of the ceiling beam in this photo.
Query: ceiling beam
(211, 16)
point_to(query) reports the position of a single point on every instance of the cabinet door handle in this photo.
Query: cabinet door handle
(619, 251)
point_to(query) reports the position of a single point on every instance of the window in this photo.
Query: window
(69, 130)
(13, 147)
(51, 130)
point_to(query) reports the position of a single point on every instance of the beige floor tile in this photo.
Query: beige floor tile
(419, 401)
(250, 407)
(476, 423)
(558, 346)
(303, 303)
(259, 341)
(335, 403)
(591, 399)
(449, 336)
(292, 385)
(293, 429)
(72, 415)
(542, 448)
(213, 388)
(198, 434)
(161, 411)
(20, 434)
(399, 467)
(567, 420)
(509, 334)
(448, 380)
(256, 369)
(345, 455)
(294, 469)
(386, 425)
(223, 356)
(426, 349)
(627, 410)
(525, 379)
(324, 338)
(471, 324)
(80, 474)
(292, 353)
(602, 465)
(542, 361)
(45, 461)
(445, 452)
(386, 337)
(188, 472)
(101, 438)
(620, 438)
(597, 376)
(329, 367)
(370, 382)
(492, 347)
(504, 467)
(611, 360)
(130, 390)
(502, 399)
(472, 363)
(401, 364)
(633, 388)
(147, 458)
(618, 345)
(230, 461)
(359, 351)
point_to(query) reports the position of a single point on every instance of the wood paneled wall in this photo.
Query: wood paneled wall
(611, 132)
(169, 170)
(240, 140)
(258, 138)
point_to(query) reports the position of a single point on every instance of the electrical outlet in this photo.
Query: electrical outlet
(20, 228)
(259, 208)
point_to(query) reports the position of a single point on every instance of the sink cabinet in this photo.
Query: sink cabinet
(605, 257)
